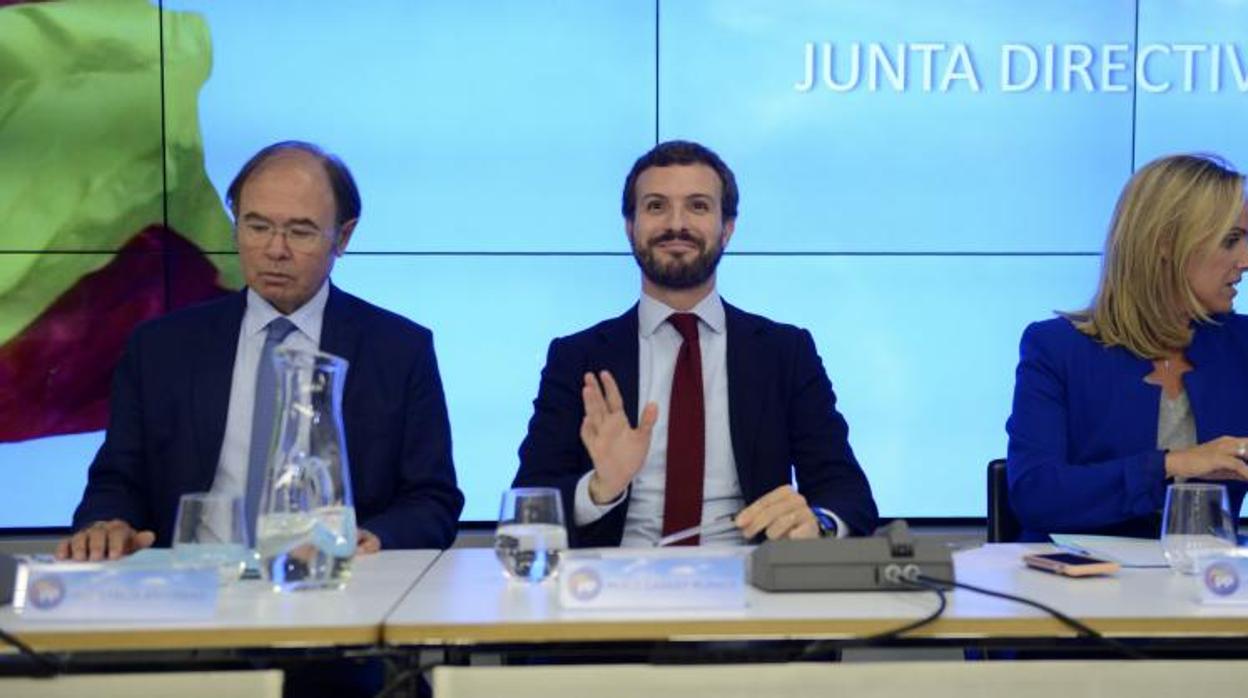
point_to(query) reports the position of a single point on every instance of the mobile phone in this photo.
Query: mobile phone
(1070, 564)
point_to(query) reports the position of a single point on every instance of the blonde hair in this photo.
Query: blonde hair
(1172, 210)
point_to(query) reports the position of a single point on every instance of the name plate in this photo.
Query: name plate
(114, 591)
(1223, 576)
(653, 579)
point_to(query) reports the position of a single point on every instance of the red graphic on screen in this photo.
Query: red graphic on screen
(58, 371)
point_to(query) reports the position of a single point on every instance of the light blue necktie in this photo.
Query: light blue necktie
(262, 420)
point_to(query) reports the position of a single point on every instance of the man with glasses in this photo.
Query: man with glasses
(186, 390)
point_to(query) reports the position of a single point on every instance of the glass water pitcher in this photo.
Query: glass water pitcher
(305, 531)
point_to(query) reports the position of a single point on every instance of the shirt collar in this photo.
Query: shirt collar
(652, 313)
(307, 318)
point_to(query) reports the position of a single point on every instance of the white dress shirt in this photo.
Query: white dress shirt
(231, 477)
(658, 344)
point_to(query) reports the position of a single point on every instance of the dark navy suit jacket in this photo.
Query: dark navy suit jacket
(171, 393)
(782, 415)
(1083, 454)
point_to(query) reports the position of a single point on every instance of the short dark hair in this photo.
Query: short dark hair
(671, 153)
(346, 194)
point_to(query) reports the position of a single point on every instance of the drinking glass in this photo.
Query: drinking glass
(1197, 518)
(211, 530)
(531, 534)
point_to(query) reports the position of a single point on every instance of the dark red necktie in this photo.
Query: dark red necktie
(686, 434)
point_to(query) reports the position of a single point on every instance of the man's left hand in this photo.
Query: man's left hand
(781, 513)
(366, 543)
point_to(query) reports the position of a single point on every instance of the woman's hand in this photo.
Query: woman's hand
(1220, 459)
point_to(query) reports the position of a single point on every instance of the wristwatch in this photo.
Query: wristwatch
(827, 523)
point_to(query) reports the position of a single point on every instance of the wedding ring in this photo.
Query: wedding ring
(1242, 450)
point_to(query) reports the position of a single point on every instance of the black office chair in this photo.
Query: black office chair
(1003, 526)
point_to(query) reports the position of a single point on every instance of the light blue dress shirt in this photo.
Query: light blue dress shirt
(231, 477)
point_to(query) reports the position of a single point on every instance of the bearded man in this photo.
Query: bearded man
(686, 420)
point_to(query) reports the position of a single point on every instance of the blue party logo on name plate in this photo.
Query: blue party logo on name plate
(585, 583)
(1222, 579)
(47, 592)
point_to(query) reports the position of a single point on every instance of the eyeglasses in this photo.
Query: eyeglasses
(299, 236)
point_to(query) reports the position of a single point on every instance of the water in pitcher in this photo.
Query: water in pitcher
(307, 550)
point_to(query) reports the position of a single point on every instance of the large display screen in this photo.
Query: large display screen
(919, 180)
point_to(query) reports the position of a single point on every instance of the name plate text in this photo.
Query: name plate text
(114, 591)
(621, 580)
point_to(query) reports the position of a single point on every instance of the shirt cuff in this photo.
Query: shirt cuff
(842, 530)
(586, 511)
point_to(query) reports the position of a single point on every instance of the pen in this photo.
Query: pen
(719, 524)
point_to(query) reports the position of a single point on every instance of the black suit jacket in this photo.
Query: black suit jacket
(171, 392)
(782, 414)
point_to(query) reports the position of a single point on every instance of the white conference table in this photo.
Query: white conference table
(464, 600)
(249, 614)
(460, 598)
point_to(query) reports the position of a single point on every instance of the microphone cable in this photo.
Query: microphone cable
(45, 666)
(1082, 629)
(816, 650)
(936, 585)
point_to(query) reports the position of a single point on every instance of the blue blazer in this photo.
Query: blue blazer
(171, 393)
(1083, 454)
(782, 415)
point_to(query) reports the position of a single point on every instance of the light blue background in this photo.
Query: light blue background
(1201, 120)
(890, 171)
(903, 229)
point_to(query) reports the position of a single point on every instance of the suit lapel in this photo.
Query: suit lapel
(1201, 393)
(744, 405)
(213, 358)
(617, 353)
(340, 331)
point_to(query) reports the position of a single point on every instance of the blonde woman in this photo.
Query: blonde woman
(1150, 382)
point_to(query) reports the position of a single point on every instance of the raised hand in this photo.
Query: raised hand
(617, 449)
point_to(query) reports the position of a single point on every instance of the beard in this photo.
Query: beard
(678, 274)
